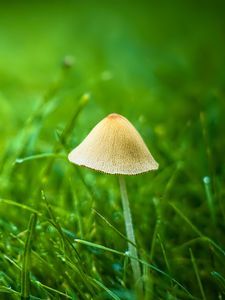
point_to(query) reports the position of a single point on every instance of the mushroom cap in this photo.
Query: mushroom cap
(114, 146)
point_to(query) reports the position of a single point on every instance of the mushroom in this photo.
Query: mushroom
(115, 147)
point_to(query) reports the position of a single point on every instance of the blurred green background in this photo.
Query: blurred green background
(161, 64)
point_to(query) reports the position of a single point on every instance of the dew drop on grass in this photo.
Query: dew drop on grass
(14, 228)
(206, 180)
(117, 267)
(19, 160)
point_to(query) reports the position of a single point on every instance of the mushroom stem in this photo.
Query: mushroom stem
(130, 232)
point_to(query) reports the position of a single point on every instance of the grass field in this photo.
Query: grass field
(66, 65)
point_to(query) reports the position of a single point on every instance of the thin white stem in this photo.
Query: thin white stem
(130, 232)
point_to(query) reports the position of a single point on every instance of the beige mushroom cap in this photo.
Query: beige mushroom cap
(115, 147)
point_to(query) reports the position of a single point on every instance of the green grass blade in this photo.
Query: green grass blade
(197, 274)
(98, 246)
(194, 228)
(77, 208)
(53, 290)
(25, 272)
(39, 156)
(23, 206)
(68, 247)
(70, 125)
(140, 260)
(157, 227)
(197, 231)
(111, 294)
(12, 262)
(112, 227)
(219, 279)
(209, 198)
(61, 143)
(4, 289)
(164, 253)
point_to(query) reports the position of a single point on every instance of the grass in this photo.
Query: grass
(161, 65)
